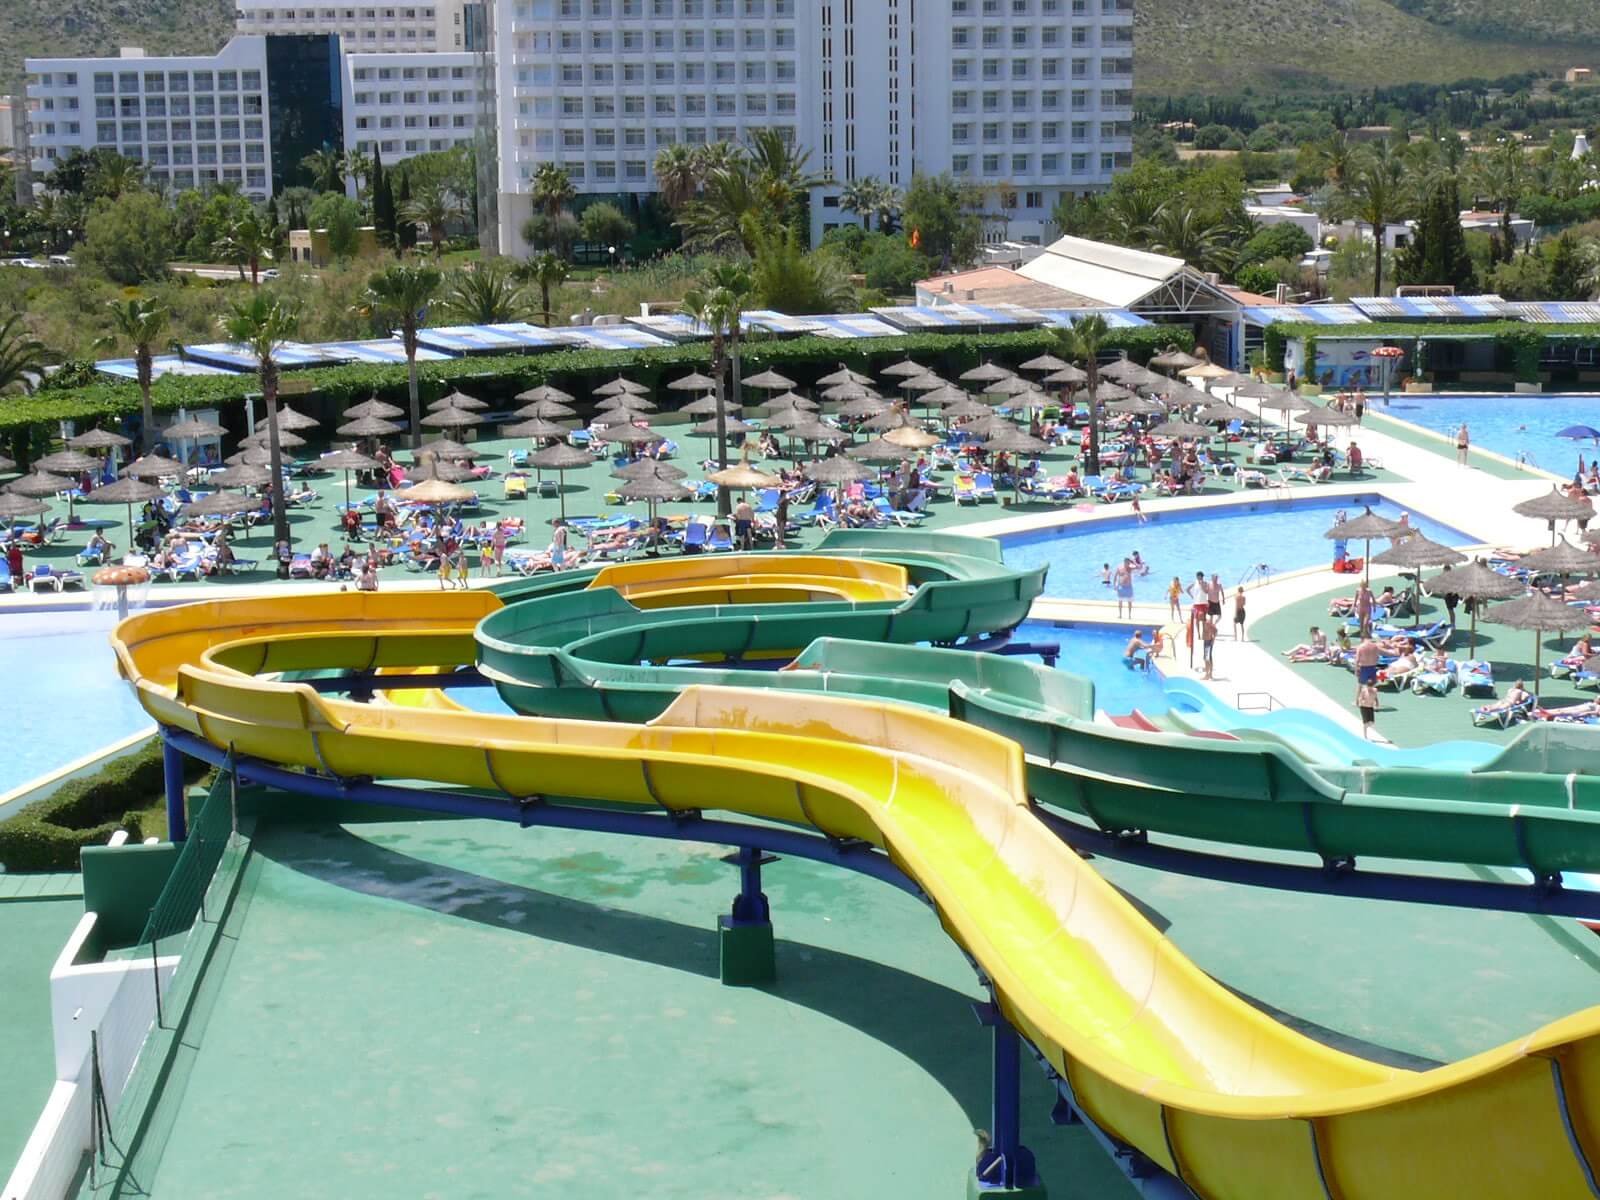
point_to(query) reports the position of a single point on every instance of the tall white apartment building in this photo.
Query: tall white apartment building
(1032, 99)
(406, 104)
(363, 28)
(192, 120)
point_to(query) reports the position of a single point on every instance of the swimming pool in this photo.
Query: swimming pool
(1095, 652)
(1236, 541)
(1522, 426)
(65, 699)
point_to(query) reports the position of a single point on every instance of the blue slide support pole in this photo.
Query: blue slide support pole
(747, 952)
(1005, 1167)
(172, 770)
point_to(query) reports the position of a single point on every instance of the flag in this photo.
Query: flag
(916, 239)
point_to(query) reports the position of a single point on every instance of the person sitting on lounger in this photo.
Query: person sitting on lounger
(1515, 698)
(1403, 665)
(1316, 650)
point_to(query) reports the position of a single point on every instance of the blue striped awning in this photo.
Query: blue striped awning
(231, 356)
(954, 317)
(1553, 312)
(844, 327)
(1116, 318)
(1305, 314)
(1426, 308)
(511, 338)
(612, 337)
(384, 350)
(161, 364)
(781, 323)
(672, 327)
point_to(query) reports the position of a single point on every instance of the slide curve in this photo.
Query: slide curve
(1161, 1056)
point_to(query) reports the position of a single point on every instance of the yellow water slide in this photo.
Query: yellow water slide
(1157, 1053)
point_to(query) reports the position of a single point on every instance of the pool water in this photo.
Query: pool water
(1094, 651)
(1521, 426)
(1242, 543)
(65, 699)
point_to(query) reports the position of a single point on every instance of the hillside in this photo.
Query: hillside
(1273, 45)
(79, 27)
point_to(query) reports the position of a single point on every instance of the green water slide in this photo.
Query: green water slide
(555, 651)
(561, 647)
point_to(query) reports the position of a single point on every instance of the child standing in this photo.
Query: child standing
(1367, 705)
(1174, 590)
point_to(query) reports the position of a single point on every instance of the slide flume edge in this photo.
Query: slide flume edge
(1157, 1053)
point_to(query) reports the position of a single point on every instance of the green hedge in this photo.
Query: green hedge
(47, 834)
(498, 378)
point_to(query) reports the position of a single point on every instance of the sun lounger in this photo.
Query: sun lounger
(695, 536)
(895, 516)
(1250, 478)
(1475, 676)
(966, 490)
(516, 487)
(720, 539)
(1433, 683)
(1502, 716)
(983, 485)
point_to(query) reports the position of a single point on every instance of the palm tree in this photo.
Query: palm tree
(141, 324)
(113, 175)
(886, 206)
(22, 363)
(782, 173)
(677, 174)
(262, 324)
(22, 356)
(399, 295)
(486, 295)
(552, 188)
(860, 197)
(718, 304)
(1377, 194)
(326, 166)
(1082, 341)
(433, 207)
(357, 166)
(244, 243)
(715, 221)
(1131, 214)
(1332, 156)
(788, 277)
(547, 270)
(1183, 233)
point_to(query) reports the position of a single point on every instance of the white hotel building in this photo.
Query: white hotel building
(1029, 98)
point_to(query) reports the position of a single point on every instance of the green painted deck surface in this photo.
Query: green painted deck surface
(1411, 720)
(42, 885)
(32, 933)
(464, 1009)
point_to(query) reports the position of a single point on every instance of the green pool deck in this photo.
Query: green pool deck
(37, 915)
(465, 1009)
(1411, 720)
(585, 492)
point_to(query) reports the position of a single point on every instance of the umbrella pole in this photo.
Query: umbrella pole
(1472, 646)
(1537, 648)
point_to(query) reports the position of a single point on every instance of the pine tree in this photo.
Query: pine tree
(1437, 252)
(383, 209)
(405, 232)
(1566, 271)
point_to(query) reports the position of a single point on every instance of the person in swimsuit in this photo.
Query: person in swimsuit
(1122, 582)
(1238, 614)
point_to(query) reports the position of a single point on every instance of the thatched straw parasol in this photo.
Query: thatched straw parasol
(1542, 615)
(373, 408)
(1474, 581)
(561, 457)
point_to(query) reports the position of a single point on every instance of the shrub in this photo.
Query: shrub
(47, 834)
